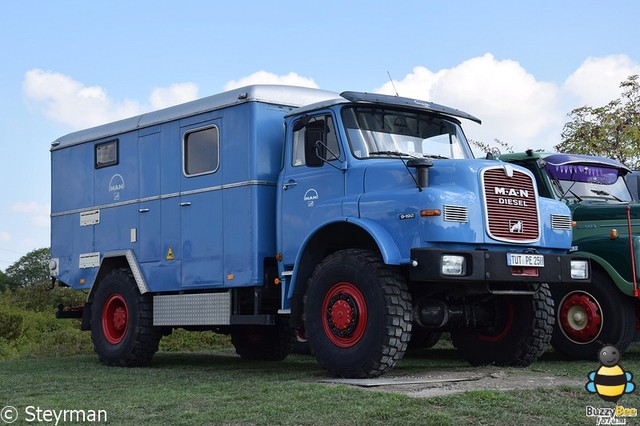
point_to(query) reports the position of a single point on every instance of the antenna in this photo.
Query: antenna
(394, 86)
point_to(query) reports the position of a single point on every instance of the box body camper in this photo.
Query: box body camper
(353, 220)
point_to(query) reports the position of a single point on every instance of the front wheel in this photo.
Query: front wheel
(357, 314)
(122, 322)
(518, 333)
(589, 317)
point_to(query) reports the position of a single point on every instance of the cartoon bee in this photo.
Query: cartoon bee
(610, 381)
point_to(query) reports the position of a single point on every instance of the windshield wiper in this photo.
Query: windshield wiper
(563, 193)
(605, 194)
(401, 156)
(393, 153)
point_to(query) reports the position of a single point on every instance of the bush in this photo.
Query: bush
(10, 323)
(42, 298)
(7, 351)
(182, 340)
(25, 333)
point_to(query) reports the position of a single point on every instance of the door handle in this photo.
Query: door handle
(185, 204)
(289, 184)
(143, 210)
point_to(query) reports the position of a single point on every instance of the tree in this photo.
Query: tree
(4, 282)
(495, 149)
(30, 285)
(30, 270)
(612, 130)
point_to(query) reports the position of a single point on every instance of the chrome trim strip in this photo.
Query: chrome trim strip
(167, 196)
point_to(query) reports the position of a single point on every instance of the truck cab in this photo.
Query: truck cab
(607, 223)
(390, 184)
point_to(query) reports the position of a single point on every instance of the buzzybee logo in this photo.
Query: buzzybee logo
(610, 382)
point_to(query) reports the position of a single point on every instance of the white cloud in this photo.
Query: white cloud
(597, 80)
(76, 105)
(264, 77)
(163, 97)
(29, 207)
(513, 106)
(38, 213)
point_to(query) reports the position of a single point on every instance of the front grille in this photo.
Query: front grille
(456, 213)
(561, 222)
(511, 205)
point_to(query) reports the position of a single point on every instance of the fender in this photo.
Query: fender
(388, 248)
(386, 245)
(623, 285)
(120, 258)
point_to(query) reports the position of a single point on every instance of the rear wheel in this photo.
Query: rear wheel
(261, 342)
(589, 317)
(357, 314)
(519, 333)
(122, 322)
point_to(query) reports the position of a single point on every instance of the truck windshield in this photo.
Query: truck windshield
(375, 132)
(580, 181)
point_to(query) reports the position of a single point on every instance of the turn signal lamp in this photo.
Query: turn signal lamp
(430, 212)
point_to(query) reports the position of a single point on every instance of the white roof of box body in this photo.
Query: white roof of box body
(273, 94)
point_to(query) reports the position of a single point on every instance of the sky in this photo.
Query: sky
(520, 66)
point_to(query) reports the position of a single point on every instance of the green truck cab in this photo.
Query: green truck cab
(607, 230)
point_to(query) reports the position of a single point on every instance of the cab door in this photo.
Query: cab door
(313, 183)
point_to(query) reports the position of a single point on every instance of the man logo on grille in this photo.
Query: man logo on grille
(516, 227)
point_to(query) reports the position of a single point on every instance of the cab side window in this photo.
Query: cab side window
(318, 129)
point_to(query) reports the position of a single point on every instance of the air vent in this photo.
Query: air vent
(456, 213)
(561, 221)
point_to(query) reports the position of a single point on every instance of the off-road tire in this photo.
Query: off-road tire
(122, 322)
(591, 316)
(521, 335)
(357, 314)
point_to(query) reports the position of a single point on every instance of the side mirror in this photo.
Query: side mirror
(314, 149)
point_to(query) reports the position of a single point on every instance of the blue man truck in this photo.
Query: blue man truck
(351, 219)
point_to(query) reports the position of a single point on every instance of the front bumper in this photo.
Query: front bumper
(491, 266)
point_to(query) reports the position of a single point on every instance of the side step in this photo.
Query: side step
(178, 310)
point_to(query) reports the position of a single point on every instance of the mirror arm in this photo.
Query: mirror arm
(331, 152)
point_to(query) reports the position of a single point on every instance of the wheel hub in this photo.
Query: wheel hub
(580, 317)
(342, 314)
(115, 319)
(345, 315)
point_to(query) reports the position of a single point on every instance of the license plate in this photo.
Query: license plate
(518, 259)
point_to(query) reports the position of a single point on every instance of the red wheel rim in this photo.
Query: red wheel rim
(345, 315)
(503, 324)
(580, 317)
(115, 319)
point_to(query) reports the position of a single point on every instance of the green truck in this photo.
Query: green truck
(607, 230)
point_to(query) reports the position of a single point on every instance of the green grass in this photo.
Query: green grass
(218, 388)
